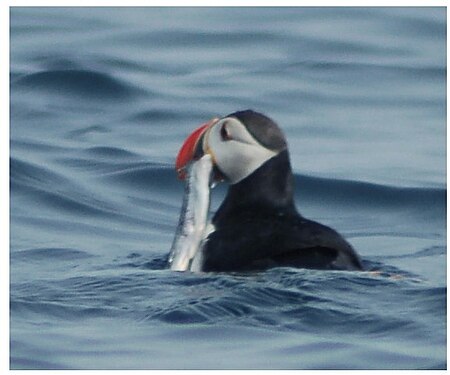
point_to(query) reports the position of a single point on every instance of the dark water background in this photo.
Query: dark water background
(101, 100)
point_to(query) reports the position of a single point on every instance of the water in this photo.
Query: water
(101, 101)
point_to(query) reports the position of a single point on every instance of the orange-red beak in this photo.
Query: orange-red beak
(188, 150)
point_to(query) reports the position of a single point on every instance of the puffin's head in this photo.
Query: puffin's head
(238, 144)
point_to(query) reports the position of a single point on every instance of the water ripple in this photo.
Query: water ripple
(82, 83)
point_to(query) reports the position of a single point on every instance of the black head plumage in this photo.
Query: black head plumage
(262, 128)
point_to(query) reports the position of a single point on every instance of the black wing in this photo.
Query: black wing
(265, 243)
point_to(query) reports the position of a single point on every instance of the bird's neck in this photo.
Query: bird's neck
(268, 190)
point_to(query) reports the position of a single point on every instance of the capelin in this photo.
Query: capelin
(188, 241)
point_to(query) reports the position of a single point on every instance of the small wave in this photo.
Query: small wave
(337, 47)
(39, 184)
(60, 310)
(341, 67)
(31, 173)
(148, 116)
(357, 193)
(66, 201)
(279, 299)
(101, 166)
(174, 38)
(80, 133)
(145, 175)
(83, 83)
(49, 253)
(35, 145)
(413, 25)
(427, 252)
(111, 152)
(19, 362)
(136, 260)
(203, 311)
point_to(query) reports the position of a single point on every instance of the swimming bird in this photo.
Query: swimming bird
(257, 226)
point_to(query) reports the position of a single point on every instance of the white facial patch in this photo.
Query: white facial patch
(234, 150)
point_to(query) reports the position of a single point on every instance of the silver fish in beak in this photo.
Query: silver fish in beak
(186, 249)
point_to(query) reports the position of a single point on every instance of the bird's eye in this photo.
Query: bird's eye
(224, 133)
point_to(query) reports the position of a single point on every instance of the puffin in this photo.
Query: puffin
(258, 226)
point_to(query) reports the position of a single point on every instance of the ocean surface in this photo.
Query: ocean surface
(101, 101)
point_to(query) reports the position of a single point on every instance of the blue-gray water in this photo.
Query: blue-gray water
(101, 101)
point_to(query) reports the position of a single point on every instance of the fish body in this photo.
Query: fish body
(192, 224)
